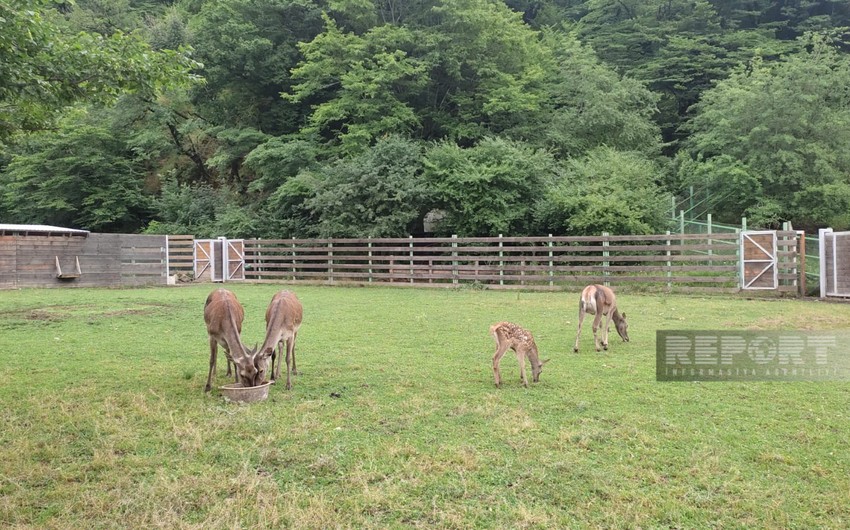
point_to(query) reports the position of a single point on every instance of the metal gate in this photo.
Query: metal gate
(219, 260)
(834, 263)
(759, 260)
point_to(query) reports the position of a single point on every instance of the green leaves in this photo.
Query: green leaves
(785, 127)
(43, 69)
(80, 178)
(488, 189)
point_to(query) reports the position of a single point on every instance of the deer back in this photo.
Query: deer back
(283, 318)
(598, 298)
(223, 315)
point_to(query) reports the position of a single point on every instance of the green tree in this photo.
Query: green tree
(488, 189)
(43, 69)
(772, 141)
(590, 105)
(605, 191)
(462, 69)
(378, 193)
(81, 177)
(248, 48)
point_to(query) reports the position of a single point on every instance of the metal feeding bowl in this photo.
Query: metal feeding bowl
(245, 394)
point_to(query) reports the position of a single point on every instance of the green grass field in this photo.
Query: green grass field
(394, 420)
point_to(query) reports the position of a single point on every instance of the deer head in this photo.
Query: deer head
(622, 327)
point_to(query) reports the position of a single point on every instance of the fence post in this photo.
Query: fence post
(708, 231)
(605, 254)
(454, 258)
(669, 264)
(330, 261)
(369, 244)
(822, 279)
(551, 272)
(410, 265)
(743, 224)
(501, 263)
(293, 259)
(167, 260)
(801, 257)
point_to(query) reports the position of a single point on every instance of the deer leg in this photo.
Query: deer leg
(277, 353)
(596, 322)
(290, 353)
(520, 356)
(605, 331)
(229, 362)
(294, 369)
(497, 358)
(581, 314)
(213, 355)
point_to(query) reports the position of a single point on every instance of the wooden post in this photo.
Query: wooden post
(454, 258)
(669, 264)
(369, 244)
(605, 254)
(410, 265)
(501, 263)
(708, 231)
(551, 272)
(293, 259)
(801, 255)
(330, 262)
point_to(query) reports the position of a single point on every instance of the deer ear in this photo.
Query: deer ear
(624, 315)
(544, 362)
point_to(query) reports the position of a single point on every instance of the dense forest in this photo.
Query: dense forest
(349, 118)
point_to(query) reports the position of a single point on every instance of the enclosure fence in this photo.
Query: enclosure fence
(673, 261)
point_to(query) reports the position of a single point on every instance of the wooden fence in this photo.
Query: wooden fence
(681, 261)
(104, 260)
(181, 255)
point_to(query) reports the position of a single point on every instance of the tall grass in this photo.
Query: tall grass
(394, 421)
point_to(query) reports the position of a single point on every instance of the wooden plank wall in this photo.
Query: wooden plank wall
(106, 260)
(181, 255)
(683, 261)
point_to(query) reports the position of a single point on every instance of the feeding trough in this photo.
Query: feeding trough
(245, 394)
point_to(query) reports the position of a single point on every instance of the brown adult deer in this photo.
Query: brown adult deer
(283, 318)
(600, 300)
(509, 335)
(223, 315)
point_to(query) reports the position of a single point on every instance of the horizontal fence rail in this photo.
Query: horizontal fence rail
(683, 261)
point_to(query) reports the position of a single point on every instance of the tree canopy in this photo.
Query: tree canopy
(286, 118)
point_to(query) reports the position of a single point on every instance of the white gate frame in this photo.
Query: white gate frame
(227, 245)
(769, 263)
(210, 258)
(824, 277)
(220, 266)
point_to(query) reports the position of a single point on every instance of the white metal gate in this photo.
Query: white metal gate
(233, 260)
(834, 263)
(759, 268)
(219, 260)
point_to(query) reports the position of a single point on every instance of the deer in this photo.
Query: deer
(223, 315)
(600, 300)
(283, 318)
(511, 336)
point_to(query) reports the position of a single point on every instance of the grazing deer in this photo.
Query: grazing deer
(509, 335)
(223, 315)
(283, 318)
(600, 300)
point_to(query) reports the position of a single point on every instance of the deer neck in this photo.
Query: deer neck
(616, 316)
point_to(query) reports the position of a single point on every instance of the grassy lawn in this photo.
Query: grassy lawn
(394, 421)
